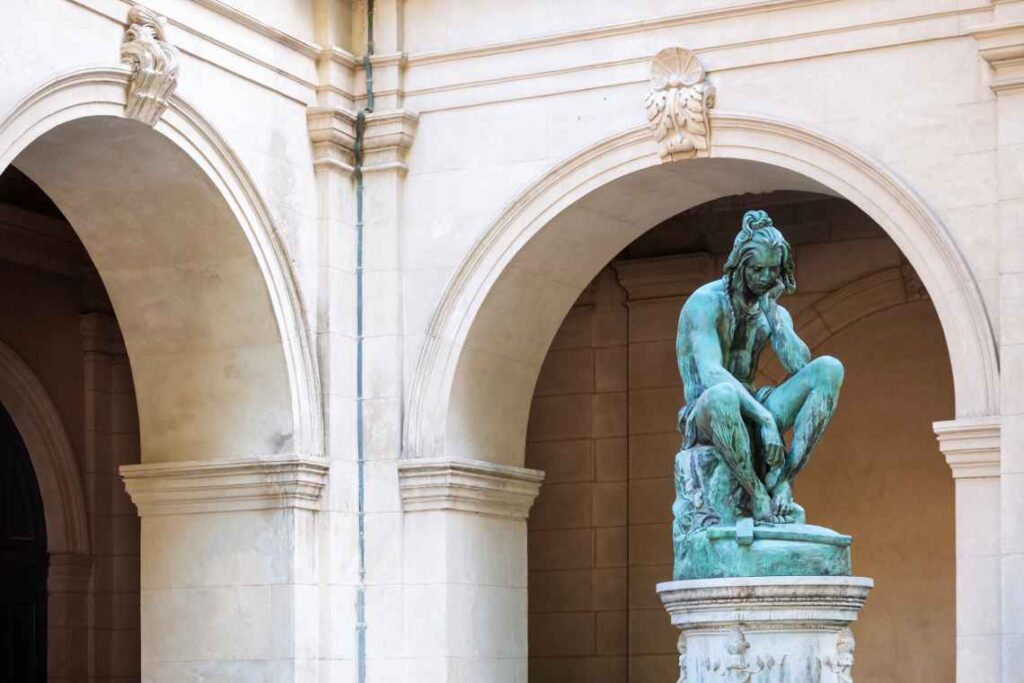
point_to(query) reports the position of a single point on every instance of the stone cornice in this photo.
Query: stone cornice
(223, 486)
(468, 486)
(665, 276)
(971, 446)
(1002, 47)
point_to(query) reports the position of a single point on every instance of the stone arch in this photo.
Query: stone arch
(41, 428)
(484, 346)
(201, 284)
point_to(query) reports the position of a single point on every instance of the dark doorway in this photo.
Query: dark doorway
(22, 562)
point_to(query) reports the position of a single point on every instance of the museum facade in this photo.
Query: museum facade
(338, 336)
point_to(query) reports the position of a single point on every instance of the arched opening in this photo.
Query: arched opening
(22, 562)
(192, 301)
(192, 355)
(603, 426)
(506, 301)
(193, 265)
(484, 348)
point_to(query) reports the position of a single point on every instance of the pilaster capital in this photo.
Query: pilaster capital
(971, 446)
(333, 133)
(175, 488)
(389, 134)
(666, 276)
(1002, 47)
(468, 486)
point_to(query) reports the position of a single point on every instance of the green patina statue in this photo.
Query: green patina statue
(734, 510)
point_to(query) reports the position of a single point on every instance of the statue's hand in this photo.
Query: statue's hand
(771, 441)
(775, 292)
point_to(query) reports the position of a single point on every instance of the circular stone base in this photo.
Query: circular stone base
(780, 629)
(763, 550)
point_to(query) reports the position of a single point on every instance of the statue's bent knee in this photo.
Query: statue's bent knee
(829, 370)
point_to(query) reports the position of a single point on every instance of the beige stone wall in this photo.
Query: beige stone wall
(877, 475)
(578, 535)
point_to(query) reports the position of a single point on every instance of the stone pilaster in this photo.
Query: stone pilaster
(972, 450)
(228, 588)
(68, 617)
(110, 439)
(331, 255)
(389, 134)
(464, 546)
(1001, 48)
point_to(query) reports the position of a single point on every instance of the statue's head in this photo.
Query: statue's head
(761, 259)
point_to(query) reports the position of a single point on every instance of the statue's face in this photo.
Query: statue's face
(762, 269)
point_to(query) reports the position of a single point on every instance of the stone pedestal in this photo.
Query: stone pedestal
(775, 629)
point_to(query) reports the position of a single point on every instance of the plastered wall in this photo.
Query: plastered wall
(603, 427)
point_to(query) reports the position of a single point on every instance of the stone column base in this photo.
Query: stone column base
(776, 629)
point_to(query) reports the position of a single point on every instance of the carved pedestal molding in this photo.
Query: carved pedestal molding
(468, 486)
(154, 63)
(971, 446)
(677, 104)
(225, 486)
(783, 629)
(1002, 47)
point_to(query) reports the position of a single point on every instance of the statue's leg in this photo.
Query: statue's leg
(806, 402)
(719, 420)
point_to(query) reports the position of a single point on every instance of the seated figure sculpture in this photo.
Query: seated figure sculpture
(734, 510)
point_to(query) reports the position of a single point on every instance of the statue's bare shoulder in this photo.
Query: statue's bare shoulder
(704, 307)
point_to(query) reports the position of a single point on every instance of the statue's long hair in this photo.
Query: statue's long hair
(758, 230)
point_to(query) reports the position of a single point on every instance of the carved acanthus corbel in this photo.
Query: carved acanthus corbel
(677, 104)
(154, 63)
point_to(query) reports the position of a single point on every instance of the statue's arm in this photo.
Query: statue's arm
(698, 335)
(790, 349)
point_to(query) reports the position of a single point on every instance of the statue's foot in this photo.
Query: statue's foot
(761, 508)
(782, 505)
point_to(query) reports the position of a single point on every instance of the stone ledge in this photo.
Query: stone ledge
(225, 486)
(971, 446)
(468, 486)
(775, 600)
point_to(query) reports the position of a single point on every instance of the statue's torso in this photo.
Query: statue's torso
(742, 343)
(742, 336)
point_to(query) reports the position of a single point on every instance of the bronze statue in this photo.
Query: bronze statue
(734, 461)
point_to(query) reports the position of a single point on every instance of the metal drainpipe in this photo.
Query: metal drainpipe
(360, 431)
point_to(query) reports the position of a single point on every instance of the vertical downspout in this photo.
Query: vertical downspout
(360, 431)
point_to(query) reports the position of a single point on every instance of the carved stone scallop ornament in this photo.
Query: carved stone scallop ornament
(677, 104)
(154, 63)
